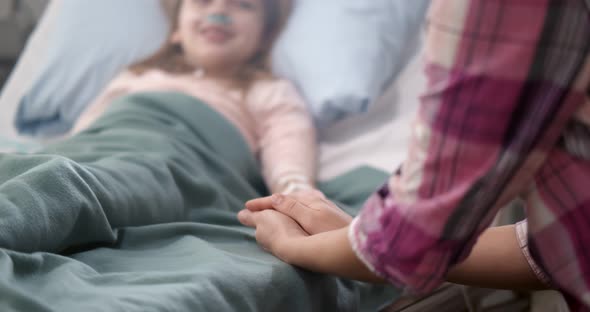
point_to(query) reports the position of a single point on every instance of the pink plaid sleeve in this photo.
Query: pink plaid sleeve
(491, 113)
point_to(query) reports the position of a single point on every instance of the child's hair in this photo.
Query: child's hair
(170, 57)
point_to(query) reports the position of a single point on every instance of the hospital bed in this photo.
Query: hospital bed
(296, 290)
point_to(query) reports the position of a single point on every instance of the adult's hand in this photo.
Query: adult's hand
(310, 208)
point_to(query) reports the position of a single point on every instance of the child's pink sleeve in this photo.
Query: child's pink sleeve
(286, 136)
(120, 86)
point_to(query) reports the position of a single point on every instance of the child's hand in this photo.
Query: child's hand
(275, 232)
(309, 208)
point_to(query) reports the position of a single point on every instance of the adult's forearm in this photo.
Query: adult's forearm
(496, 261)
(330, 253)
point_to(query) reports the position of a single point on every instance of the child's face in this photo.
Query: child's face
(220, 34)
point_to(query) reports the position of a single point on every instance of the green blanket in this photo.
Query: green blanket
(138, 213)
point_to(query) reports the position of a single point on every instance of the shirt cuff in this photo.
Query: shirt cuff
(292, 182)
(293, 187)
(522, 238)
(357, 240)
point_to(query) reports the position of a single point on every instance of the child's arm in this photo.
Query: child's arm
(286, 137)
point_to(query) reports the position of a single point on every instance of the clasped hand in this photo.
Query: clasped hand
(282, 221)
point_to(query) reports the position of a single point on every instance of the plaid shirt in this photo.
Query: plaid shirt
(506, 115)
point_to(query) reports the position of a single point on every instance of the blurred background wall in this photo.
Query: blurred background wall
(17, 20)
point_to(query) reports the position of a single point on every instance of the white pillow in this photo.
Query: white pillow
(342, 54)
(89, 43)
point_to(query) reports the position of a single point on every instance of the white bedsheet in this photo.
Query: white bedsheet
(380, 137)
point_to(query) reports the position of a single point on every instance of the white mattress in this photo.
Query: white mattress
(378, 138)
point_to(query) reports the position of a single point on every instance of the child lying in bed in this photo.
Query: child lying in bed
(218, 52)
